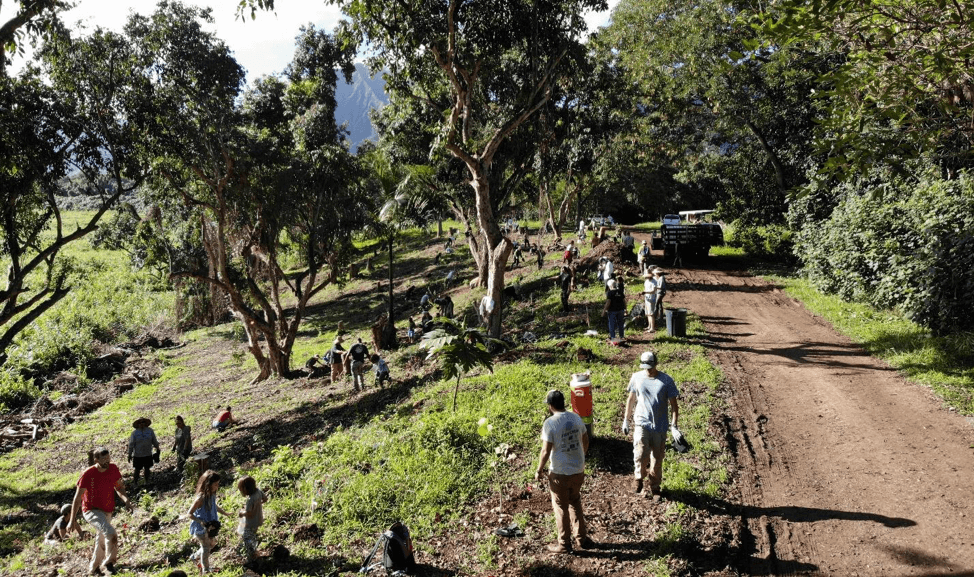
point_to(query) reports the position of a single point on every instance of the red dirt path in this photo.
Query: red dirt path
(845, 468)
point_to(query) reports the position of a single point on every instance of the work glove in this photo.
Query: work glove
(625, 427)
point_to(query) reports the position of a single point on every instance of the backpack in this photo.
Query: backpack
(329, 356)
(397, 550)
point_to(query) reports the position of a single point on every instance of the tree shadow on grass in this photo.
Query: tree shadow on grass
(309, 423)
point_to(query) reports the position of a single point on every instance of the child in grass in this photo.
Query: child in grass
(381, 370)
(59, 530)
(251, 515)
(204, 514)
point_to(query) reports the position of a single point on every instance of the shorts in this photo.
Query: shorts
(101, 521)
(142, 462)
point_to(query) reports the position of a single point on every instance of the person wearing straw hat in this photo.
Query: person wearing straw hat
(642, 257)
(660, 277)
(651, 394)
(650, 295)
(564, 440)
(141, 442)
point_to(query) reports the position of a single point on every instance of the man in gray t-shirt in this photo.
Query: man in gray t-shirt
(564, 439)
(652, 393)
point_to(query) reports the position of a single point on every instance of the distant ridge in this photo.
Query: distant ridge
(355, 100)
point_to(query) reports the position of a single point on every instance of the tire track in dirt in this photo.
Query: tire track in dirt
(844, 468)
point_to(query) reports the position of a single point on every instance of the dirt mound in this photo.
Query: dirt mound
(613, 251)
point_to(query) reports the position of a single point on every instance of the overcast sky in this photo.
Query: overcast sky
(262, 46)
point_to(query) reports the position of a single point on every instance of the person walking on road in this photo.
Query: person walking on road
(653, 394)
(564, 439)
(95, 498)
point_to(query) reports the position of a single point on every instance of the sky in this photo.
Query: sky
(261, 46)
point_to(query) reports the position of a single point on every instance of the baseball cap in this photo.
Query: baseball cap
(647, 360)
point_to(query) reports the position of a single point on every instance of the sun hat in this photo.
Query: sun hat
(135, 423)
(647, 360)
(658, 271)
(644, 241)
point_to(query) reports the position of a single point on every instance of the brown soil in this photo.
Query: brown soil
(845, 468)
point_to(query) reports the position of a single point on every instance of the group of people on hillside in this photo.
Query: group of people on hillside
(352, 363)
(652, 406)
(143, 445)
(94, 501)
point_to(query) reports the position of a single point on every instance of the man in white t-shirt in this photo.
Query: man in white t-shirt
(564, 439)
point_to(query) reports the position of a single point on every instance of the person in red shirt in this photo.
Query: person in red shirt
(95, 498)
(223, 419)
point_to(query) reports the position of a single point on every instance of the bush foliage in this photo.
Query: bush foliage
(903, 244)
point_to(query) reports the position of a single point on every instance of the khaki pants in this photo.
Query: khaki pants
(566, 501)
(647, 447)
(106, 539)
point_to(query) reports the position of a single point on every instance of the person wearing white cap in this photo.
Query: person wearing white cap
(564, 439)
(651, 394)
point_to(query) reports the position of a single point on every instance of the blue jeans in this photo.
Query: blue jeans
(617, 321)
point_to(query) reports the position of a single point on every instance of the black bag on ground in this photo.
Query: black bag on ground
(397, 550)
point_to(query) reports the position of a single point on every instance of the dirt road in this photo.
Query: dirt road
(845, 468)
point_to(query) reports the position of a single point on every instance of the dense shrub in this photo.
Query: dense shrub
(771, 243)
(904, 244)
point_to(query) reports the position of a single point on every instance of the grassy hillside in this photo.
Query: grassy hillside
(340, 466)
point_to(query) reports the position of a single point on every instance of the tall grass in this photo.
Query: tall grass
(108, 302)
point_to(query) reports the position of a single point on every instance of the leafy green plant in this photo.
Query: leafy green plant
(487, 550)
(459, 349)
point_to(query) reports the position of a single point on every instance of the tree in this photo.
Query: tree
(33, 19)
(905, 87)
(71, 117)
(717, 104)
(256, 176)
(403, 205)
(499, 61)
(460, 349)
